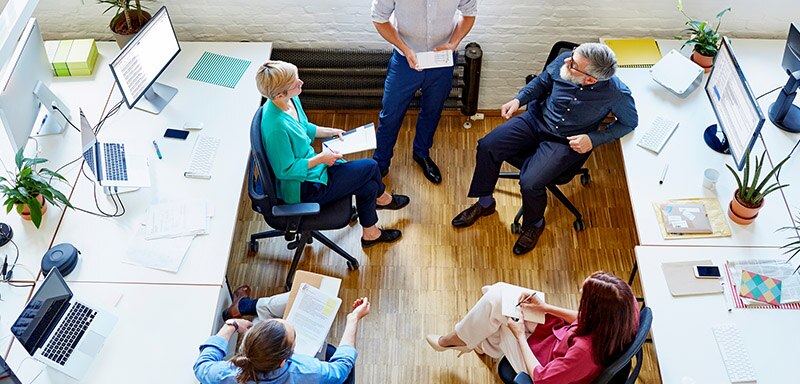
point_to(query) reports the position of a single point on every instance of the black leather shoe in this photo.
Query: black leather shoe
(384, 172)
(527, 240)
(429, 168)
(398, 201)
(470, 215)
(387, 236)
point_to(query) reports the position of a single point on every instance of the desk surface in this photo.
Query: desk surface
(682, 334)
(156, 339)
(226, 113)
(688, 156)
(12, 300)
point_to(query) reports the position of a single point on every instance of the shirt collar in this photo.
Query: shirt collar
(275, 374)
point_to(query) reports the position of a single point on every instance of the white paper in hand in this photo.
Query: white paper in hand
(511, 294)
(312, 315)
(434, 59)
(355, 140)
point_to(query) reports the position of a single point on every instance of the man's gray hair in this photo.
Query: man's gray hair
(602, 62)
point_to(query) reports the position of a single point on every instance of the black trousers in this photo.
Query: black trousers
(541, 156)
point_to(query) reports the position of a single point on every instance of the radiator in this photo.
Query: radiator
(353, 78)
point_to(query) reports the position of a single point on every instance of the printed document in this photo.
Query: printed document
(165, 254)
(434, 59)
(176, 219)
(312, 315)
(511, 294)
(355, 140)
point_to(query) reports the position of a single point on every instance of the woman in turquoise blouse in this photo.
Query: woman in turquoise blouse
(306, 176)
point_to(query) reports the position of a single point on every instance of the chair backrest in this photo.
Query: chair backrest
(614, 373)
(558, 48)
(261, 178)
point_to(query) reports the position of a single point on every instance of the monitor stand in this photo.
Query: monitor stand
(782, 112)
(156, 98)
(57, 116)
(712, 137)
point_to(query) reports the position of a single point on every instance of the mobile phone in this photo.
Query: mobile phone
(176, 134)
(706, 272)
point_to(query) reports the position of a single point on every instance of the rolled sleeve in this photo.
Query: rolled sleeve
(341, 363)
(311, 130)
(210, 366)
(382, 10)
(627, 119)
(284, 163)
(468, 7)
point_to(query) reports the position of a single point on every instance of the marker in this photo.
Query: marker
(158, 151)
(526, 299)
(663, 174)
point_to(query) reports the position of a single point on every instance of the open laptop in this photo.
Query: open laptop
(7, 376)
(111, 163)
(61, 331)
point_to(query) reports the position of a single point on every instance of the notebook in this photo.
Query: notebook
(685, 218)
(682, 282)
(511, 294)
(634, 53)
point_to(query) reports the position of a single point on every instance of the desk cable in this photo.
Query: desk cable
(6, 278)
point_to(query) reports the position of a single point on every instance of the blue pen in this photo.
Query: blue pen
(158, 151)
(326, 146)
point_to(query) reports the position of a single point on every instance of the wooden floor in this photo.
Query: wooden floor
(430, 278)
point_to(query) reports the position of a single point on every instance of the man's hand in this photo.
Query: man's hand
(580, 143)
(508, 109)
(446, 46)
(411, 57)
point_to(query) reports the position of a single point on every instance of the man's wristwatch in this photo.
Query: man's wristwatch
(234, 324)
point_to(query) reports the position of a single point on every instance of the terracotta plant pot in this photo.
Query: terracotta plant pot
(741, 214)
(26, 211)
(120, 30)
(704, 61)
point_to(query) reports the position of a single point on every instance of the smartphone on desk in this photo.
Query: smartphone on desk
(706, 272)
(176, 134)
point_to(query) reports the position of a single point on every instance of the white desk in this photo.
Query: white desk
(688, 156)
(226, 113)
(12, 300)
(681, 330)
(156, 339)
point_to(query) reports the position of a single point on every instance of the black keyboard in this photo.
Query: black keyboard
(69, 333)
(116, 168)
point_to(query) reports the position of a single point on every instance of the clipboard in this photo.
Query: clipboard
(327, 284)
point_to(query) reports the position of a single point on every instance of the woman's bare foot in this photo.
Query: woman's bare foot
(384, 199)
(371, 233)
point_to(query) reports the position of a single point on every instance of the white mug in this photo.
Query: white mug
(710, 178)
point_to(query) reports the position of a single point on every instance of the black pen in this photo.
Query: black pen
(526, 299)
(663, 174)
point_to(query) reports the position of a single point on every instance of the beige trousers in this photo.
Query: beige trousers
(271, 307)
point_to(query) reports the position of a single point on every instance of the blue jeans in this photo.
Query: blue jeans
(401, 84)
(358, 177)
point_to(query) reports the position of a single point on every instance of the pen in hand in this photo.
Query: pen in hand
(530, 296)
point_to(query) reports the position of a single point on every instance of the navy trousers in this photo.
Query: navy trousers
(401, 84)
(541, 156)
(359, 177)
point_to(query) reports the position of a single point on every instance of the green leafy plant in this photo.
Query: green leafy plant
(700, 34)
(793, 247)
(28, 183)
(752, 191)
(135, 17)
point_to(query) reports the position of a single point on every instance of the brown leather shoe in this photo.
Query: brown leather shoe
(470, 215)
(527, 240)
(233, 311)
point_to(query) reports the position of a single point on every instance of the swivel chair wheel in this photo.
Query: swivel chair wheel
(353, 215)
(578, 225)
(586, 179)
(252, 246)
(352, 265)
(467, 124)
(516, 228)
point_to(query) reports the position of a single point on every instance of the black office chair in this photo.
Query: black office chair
(570, 173)
(299, 223)
(619, 372)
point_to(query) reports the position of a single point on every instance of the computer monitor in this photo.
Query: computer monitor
(739, 117)
(782, 112)
(142, 60)
(24, 91)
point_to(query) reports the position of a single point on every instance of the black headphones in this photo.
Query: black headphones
(6, 234)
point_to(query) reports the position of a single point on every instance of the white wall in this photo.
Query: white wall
(515, 35)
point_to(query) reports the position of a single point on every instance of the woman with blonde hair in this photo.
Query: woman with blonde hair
(306, 176)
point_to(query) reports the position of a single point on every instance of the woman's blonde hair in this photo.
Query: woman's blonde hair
(275, 78)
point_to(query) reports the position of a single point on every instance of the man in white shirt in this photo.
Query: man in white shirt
(417, 26)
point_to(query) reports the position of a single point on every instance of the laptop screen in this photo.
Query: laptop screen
(41, 314)
(88, 140)
(6, 375)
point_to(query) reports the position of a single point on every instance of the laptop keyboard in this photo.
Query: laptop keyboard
(116, 168)
(61, 345)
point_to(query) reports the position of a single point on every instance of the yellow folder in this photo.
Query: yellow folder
(635, 53)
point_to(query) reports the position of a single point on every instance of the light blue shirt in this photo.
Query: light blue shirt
(210, 368)
(423, 24)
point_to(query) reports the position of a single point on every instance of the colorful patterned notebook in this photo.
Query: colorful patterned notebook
(760, 288)
(218, 69)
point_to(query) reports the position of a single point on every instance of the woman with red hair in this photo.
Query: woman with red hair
(570, 347)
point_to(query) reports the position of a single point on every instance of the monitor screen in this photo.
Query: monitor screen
(737, 111)
(145, 57)
(42, 312)
(791, 56)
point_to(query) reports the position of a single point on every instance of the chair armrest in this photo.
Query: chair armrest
(252, 179)
(523, 378)
(300, 209)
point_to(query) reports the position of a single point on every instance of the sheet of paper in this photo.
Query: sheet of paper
(176, 219)
(312, 316)
(776, 269)
(437, 59)
(165, 254)
(511, 294)
(355, 140)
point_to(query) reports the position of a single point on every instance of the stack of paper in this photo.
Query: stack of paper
(434, 59)
(354, 140)
(312, 316)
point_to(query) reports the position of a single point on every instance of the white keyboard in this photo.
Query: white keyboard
(205, 149)
(734, 354)
(658, 134)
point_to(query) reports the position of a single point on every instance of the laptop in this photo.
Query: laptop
(112, 164)
(7, 376)
(61, 331)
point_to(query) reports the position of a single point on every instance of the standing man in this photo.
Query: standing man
(417, 26)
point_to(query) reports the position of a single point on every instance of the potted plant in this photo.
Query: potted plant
(127, 20)
(749, 196)
(29, 189)
(702, 37)
(793, 247)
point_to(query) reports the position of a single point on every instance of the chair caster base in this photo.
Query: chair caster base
(352, 265)
(252, 246)
(516, 228)
(586, 179)
(578, 225)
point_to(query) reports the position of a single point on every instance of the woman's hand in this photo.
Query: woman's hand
(336, 132)
(328, 157)
(532, 303)
(360, 308)
(517, 326)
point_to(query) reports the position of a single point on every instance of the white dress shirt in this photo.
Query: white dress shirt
(423, 24)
